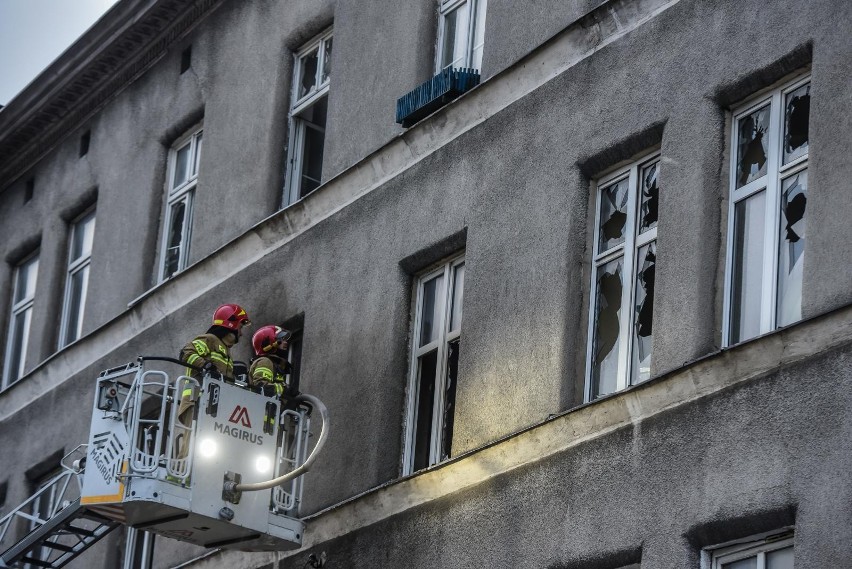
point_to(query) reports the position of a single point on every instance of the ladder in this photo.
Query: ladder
(60, 539)
(57, 534)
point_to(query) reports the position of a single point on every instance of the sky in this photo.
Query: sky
(33, 33)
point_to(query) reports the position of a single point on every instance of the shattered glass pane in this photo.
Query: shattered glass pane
(175, 238)
(613, 209)
(643, 312)
(308, 80)
(606, 328)
(797, 112)
(450, 400)
(430, 315)
(791, 252)
(650, 198)
(326, 61)
(747, 282)
(751, 149)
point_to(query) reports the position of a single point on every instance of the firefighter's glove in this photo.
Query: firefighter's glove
(267, 390)
(210, 369)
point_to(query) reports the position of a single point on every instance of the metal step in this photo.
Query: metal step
(59, 540)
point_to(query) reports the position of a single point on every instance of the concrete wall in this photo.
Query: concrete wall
(512, 186)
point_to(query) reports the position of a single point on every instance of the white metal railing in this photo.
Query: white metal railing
(60, 491)
(181, 442)
(291, 453)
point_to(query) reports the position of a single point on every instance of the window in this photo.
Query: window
(434, 366)
(184, 158)
(461, 34)
(19, 324)
(77, 278)
(621, 309)
(767, 221)
(138, 549)
(44, 505)
(308, 113)
(764, 554)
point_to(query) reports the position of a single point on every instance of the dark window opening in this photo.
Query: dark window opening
(425, 399)
(185, 59)
(450, 399)
(314, 121)
(29, 190)
(84, 143)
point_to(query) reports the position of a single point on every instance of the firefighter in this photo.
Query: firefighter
(211, 352)
(270, 367)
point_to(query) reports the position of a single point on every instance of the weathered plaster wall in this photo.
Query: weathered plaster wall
(518, 183)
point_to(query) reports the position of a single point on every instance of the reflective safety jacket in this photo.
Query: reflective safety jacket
(269, 370)
(203, 349)
(207, 348)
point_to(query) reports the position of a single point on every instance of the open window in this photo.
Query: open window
(621, 331)
(308, 117)
(434, 365)
(767, 215)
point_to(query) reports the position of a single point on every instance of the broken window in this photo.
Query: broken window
(308, 116)
(751, 156)
(435, 360)
(184, 159)
(621, 315)
(766, 235)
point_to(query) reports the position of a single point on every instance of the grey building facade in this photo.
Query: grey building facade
(586, 315)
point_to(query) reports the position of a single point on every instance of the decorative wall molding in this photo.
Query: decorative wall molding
(122, 45)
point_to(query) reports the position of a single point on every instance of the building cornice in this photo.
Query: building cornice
(109, 56)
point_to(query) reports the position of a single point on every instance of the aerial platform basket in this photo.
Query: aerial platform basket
(226, 476)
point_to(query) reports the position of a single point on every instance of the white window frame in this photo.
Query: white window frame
(75, 266)
(754, 548)
(25, 307)
(628, 250)
(476, 10)
(444, 337)
(183, 193)
(298, 126)
(771, 182)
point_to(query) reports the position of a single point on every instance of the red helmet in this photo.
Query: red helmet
(230, 316)
(266, 338)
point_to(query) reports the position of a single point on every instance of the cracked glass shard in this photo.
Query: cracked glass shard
(643, 311)
(613, 207)
(308, 81)
(751, 149)
(747, 281)
(650, 197)
(797, 113)
(791, 253)
(607, 325)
